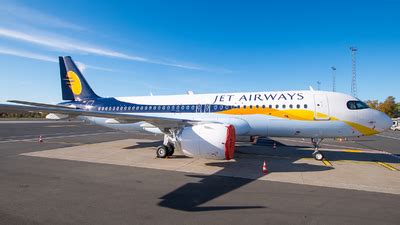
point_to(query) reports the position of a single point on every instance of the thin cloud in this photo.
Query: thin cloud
(67, 45)
(13, 11)
(24, 54)
(31, 55)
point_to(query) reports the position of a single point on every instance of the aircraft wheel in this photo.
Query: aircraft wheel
(318, 156)
(162, 151)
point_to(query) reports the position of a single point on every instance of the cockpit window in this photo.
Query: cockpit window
(353, 105)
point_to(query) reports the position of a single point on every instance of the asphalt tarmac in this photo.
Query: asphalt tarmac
(37, 190)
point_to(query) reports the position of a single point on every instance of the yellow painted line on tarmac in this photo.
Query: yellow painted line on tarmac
(387, 166)
(352, 150)
(326, 162)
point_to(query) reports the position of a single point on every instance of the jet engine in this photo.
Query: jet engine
(211, 141)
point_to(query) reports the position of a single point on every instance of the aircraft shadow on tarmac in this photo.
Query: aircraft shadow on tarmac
(140, 145)
(191, 196)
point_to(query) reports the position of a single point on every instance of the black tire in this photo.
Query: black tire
(171, 149)
(318, 156)
(162, 151)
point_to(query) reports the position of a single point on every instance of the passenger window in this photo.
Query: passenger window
(291, 106)
(270, 106)
(251, 106)
(244, 107)
(257, 106)
(305, 106)
(263, 106)
(284, 106)
(298, 106)
(276, 106)
(163, 107)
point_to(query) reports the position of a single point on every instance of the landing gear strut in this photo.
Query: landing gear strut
(317, 154)
(167, 149)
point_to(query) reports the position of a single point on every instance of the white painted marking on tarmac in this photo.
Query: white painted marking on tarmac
(37, 121)
(34, 135)
(63, 136)
(385, 136)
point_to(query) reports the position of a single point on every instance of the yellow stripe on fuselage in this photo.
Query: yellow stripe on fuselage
(296, 114)
(362, 129)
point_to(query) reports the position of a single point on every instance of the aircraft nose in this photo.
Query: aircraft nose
(384, 122)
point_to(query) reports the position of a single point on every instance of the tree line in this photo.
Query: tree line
(389, 106)
(22, 115)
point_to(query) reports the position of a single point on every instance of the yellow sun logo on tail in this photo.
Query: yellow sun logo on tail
(74, 83)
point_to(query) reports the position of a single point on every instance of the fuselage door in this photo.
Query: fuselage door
(198, 108)
(321, 107)
(89, 104)
(207, 108)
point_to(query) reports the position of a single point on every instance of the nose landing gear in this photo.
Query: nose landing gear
(317, 154)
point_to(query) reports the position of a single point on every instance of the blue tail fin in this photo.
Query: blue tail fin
(73, 85)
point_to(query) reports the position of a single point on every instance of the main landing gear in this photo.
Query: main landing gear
(317, 154)
(168, 148)
(164, 151)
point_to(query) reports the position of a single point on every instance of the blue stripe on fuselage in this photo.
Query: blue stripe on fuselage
(113, 105)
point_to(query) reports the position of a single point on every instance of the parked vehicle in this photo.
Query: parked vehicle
(396, 125)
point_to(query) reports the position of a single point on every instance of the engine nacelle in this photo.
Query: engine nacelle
(211, 141)
(56, 116)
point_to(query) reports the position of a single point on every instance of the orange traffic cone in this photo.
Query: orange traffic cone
(274, 146)
(40, 139)
(264, 168)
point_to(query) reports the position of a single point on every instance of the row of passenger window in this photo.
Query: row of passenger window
(154, 108)
(200, 108)
(298, 106)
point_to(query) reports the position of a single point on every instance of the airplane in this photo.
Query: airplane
(207, 125)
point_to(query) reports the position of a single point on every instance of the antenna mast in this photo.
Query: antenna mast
(354, 75)
(333, 78)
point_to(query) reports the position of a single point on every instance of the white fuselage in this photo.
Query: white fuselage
(316, 114)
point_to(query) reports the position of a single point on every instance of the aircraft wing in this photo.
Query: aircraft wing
(40, 104)
(161, 122)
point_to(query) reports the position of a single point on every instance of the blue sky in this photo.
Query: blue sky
(131, 48)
